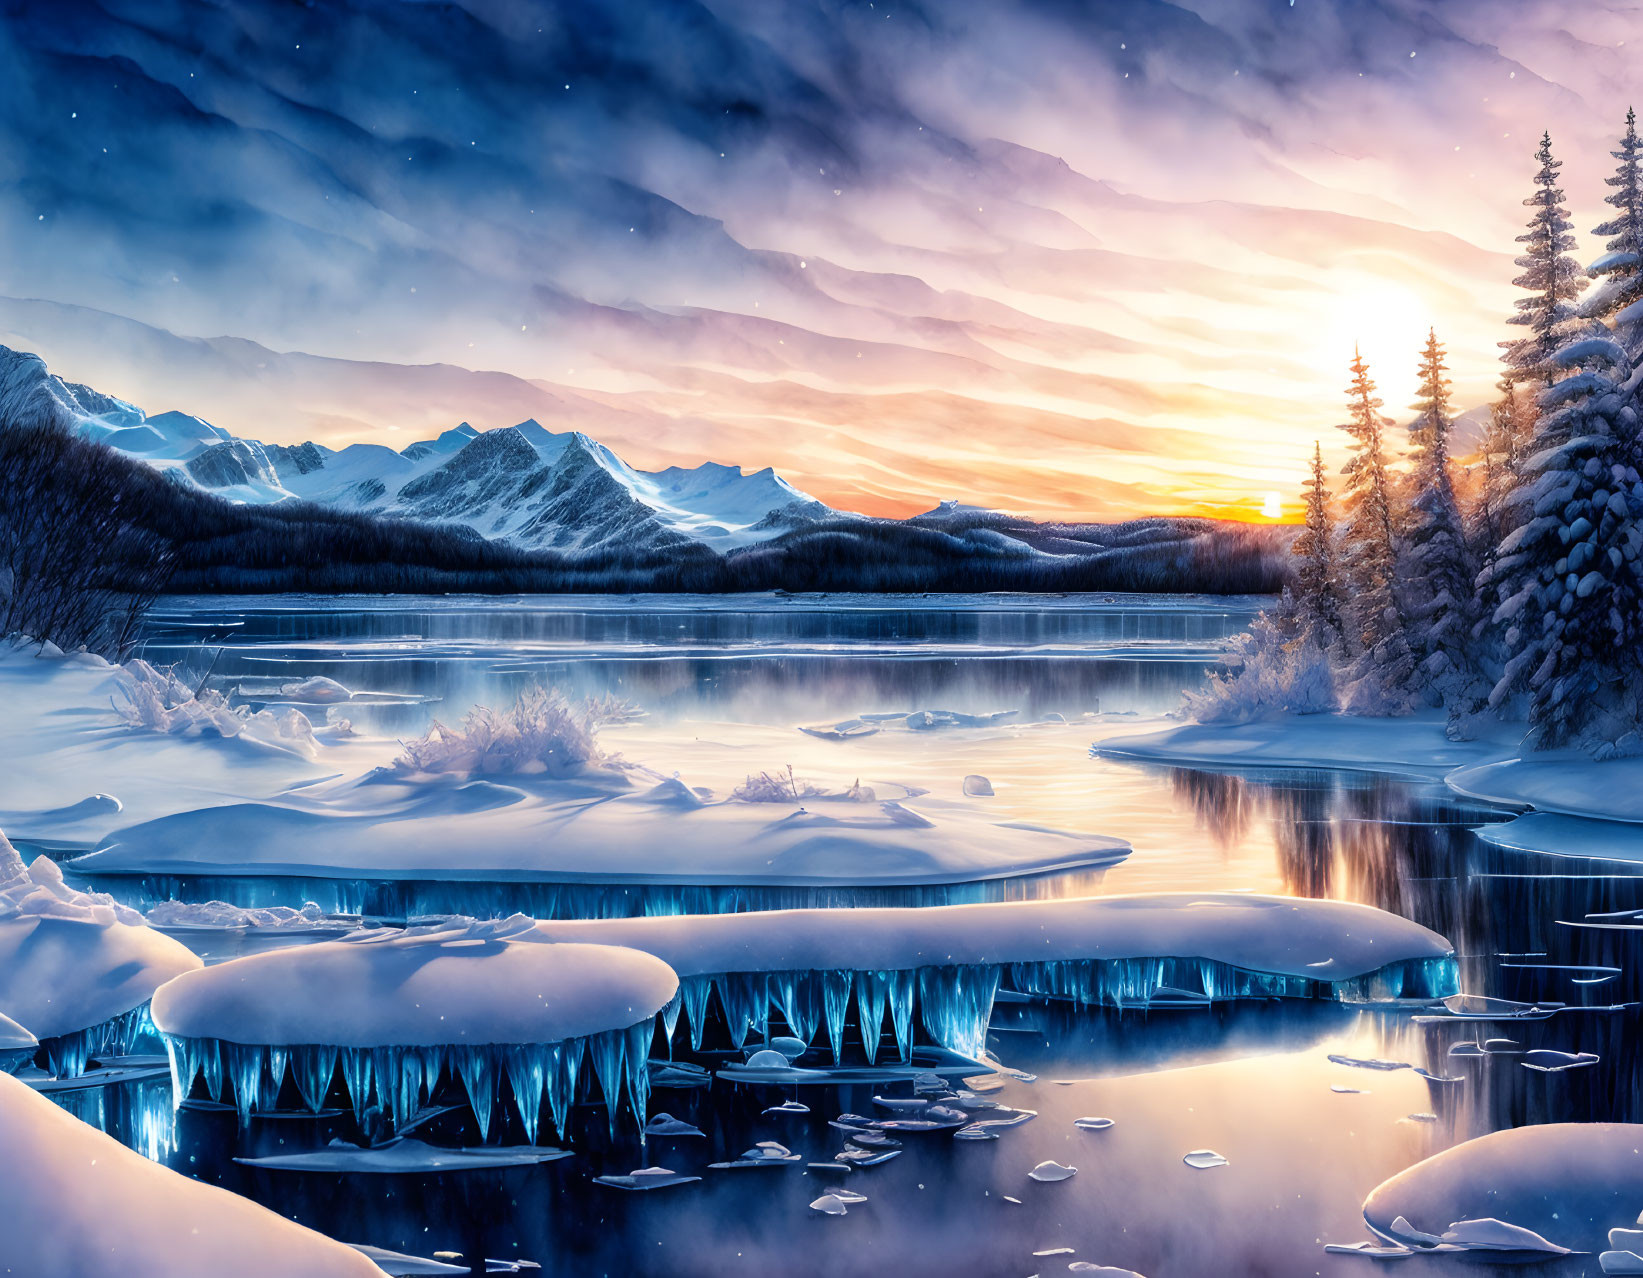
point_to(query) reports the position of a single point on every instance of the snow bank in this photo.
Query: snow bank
(62, 741)
(72, 961)
(1412, 745)
(220, 916)
(159, 701)
(1570, 783)
(592, 827)
(81, 1205)
(1570, 1183)
(440, 984)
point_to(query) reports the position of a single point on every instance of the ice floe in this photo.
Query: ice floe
(76, 969)
(1547, 1188)
(593, 827)
(944, 963)
(405, 1156)
(1050, 1171)
(767, 1153)
(1204, 1159)
(646, 1178)
(88, 1198)
(483, 1001)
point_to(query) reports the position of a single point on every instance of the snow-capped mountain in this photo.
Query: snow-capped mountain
(524, 484)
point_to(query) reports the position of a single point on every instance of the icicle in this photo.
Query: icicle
(566, 1061)
(211, 1064)
(871, 992)
(798, 995)
(745, 1000)
(477, 1069)
(835, 1002)
(901, 1010)
(525, 1064)
(955, 1004)
(694, 991)
(609, 1052)
(244, 1062)
(313, 1068)
(670, 1017)
(639, 1038)
(357, 1074)
(183, 1068)
(269, 1096)
(405, 1096)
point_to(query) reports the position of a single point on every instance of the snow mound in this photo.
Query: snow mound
(1542, 1188)
(1569, 783)
(87, 1198)
(70, 961)
(449, 982)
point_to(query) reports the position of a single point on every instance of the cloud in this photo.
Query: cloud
(1076, 259)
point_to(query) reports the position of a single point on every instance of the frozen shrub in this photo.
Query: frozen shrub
(778, 787)
(543, 731)
(1267, 673)
(164, 701)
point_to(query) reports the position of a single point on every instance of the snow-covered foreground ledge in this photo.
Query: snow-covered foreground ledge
(76, 971)
(809, 966)
(595, 827)
(81, 1205)
(396, 1010)
(1414, 745)
(1568, 1183)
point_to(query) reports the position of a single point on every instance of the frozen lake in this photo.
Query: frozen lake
(726, 683)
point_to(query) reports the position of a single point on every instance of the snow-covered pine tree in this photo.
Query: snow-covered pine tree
(1439, 572)
(1317, 607)
(1382, 672)
(1551, 277)
(1620, 269)
(1567, 576)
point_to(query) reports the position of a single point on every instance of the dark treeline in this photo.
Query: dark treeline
(89, 537)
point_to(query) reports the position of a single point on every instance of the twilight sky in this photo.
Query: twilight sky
(1067, 259)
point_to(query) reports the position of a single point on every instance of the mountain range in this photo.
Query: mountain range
(524, 484)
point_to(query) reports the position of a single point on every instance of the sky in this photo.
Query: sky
(1071, 260)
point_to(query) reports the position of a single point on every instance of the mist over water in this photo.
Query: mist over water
(724, 685)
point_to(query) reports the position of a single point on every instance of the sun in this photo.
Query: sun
(1387, 324)
(1272, 507)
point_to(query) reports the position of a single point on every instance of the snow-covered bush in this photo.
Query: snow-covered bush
(543, 731)
(1267, 672)
(157, 700)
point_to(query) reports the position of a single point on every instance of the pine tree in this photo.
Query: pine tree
(1317, 606)
(1567, 575)
(1553, 278)
(1621, 268)
(1380, 680)
(1439, 568)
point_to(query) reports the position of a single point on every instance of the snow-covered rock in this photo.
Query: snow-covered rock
(81, 1205)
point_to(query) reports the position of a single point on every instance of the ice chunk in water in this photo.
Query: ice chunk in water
(1050, 1171)
(789, 1107)
(1205, 1158)
(1092, 1124)
(767, 1153)
(866, 1157)
(1107, 1271)
(791, 1048)
(1621, 1262)
(667, 1125)
(829, 1205)
(1347, 1091)
(646, 1178)
(1546, 1061)
(1489, 1234)
(975, 1131)
(978, 787)
(765, 1058)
